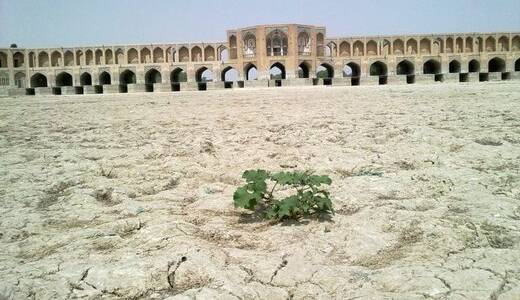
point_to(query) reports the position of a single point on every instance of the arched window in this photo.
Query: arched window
(43, 59)
(209, 53)
(426, 46)
(371, 48)
(233, 47)
(69, 58)
(249, 45)
(109, 57)
(184, 54)
(344, 49)
(146, 56)
(133, 57)
(398, 47)
(277, 43)
(304, 43)
(196, 54)
(56, 59)
(18, 60)
(359, 48)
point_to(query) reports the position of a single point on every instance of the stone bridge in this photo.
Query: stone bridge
(262, 56)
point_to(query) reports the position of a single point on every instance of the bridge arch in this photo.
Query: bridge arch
(474, 66)
(496, 64)
(405, 67)
(85, 79)
(325, 71)
(152, 76)
(64, 79)
(203, 74)
(378, 68)
(251, 72)
(454, 66)
(127, 77)
(105, 78)
(303, 70)
(351, 69)
(38, 80)
(178, 75)
(277, 71)
(432, 66)
(229, 74)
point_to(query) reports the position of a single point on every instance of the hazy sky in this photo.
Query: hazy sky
(55, 23)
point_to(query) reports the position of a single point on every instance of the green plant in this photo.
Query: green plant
(258, 194)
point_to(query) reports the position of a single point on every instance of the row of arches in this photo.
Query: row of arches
(424, 46)
(276, 71)
(68, 58)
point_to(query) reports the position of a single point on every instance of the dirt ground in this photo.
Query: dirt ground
(130, 196)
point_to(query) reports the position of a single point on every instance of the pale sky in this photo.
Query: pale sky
(67, 23)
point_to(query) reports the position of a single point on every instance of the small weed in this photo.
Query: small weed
(488, 141)
(104, 195)
(53, 194)
(309, 197)
(107, 173)
(368, 172)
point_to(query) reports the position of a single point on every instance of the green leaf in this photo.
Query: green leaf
(324, 204)
(283, 178)
(255, 175)
(319, 180)
(243, 198)
(287, 207)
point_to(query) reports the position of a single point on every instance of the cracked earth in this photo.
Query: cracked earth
(130, 196)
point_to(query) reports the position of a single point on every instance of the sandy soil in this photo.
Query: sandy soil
(130, 196)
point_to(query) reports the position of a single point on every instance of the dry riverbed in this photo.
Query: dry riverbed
(130, 196)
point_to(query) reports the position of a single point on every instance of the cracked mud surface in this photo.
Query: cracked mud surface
(130, 196)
